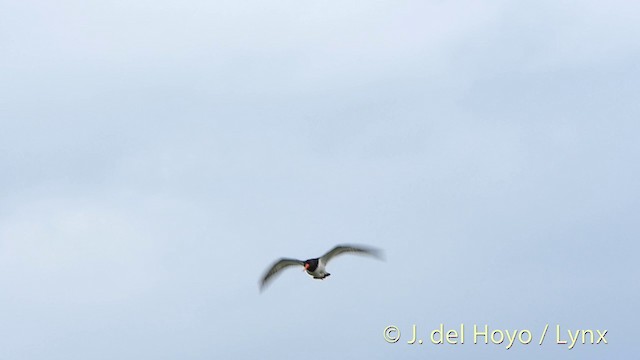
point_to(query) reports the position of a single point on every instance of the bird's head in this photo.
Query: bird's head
(311, 265)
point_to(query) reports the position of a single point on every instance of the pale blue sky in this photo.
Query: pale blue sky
(157, 156)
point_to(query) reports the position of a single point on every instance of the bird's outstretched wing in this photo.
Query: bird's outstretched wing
(277, 266)
(341, 249)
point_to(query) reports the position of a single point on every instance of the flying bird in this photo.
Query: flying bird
(316, 266)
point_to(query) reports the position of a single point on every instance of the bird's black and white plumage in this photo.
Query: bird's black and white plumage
(316, 266)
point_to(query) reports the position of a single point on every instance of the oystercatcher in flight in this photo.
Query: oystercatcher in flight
(316, 266)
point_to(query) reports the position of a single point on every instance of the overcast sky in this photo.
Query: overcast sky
(157, 156)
